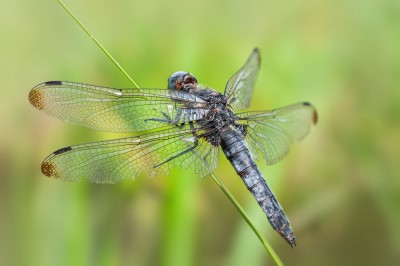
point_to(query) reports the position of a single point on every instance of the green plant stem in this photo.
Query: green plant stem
(97, 43)
(265, 243)
(217, 181)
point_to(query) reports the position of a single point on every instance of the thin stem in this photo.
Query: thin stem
(217, 181)
(98, 43)
(265, 243)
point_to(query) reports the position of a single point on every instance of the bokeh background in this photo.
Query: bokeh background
(340, 186)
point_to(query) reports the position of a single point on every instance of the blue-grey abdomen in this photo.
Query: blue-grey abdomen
(236, 151)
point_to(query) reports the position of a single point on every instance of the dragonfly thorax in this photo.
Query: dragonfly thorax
(218, 117)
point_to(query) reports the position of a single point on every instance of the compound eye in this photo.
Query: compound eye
(182, 80)
(189, 79)
(176, 79)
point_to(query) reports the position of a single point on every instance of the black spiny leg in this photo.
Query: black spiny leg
(167, 119)
(195, 144)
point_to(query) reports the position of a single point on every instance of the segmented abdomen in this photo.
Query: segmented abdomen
(236, 151)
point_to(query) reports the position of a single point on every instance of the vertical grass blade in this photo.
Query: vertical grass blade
(97, 43)
(265, 243)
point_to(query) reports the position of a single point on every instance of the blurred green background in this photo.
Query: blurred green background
(340, 187)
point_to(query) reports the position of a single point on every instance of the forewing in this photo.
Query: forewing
(240, 87)
(115, 160)
(112, 109)
(273, 132)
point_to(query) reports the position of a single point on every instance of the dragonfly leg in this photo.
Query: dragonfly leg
(167, 119)
(195, 144)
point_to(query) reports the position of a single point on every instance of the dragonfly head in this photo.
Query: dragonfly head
(182, 80)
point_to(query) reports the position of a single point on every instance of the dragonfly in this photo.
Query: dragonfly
(182, 126)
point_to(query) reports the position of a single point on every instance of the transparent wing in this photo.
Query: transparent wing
(240, 87)
(151, 154)
(112, 109)
(272, 132)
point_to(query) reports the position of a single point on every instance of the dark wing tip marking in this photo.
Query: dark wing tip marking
(49, 169)
(257, 51)
(315, 117)
(314, 114)
(53, 82)
(62, 150)
(36, 98)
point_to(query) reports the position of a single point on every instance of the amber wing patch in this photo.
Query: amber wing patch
(36, 99)
(49, 169)
(315, 117)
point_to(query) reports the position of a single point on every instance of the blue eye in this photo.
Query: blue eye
(174, 78)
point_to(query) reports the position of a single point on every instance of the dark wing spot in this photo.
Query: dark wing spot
(62, 150)
(314, 114)
(315, 117)
(50, 170)
(55, 82)
(36, 99)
